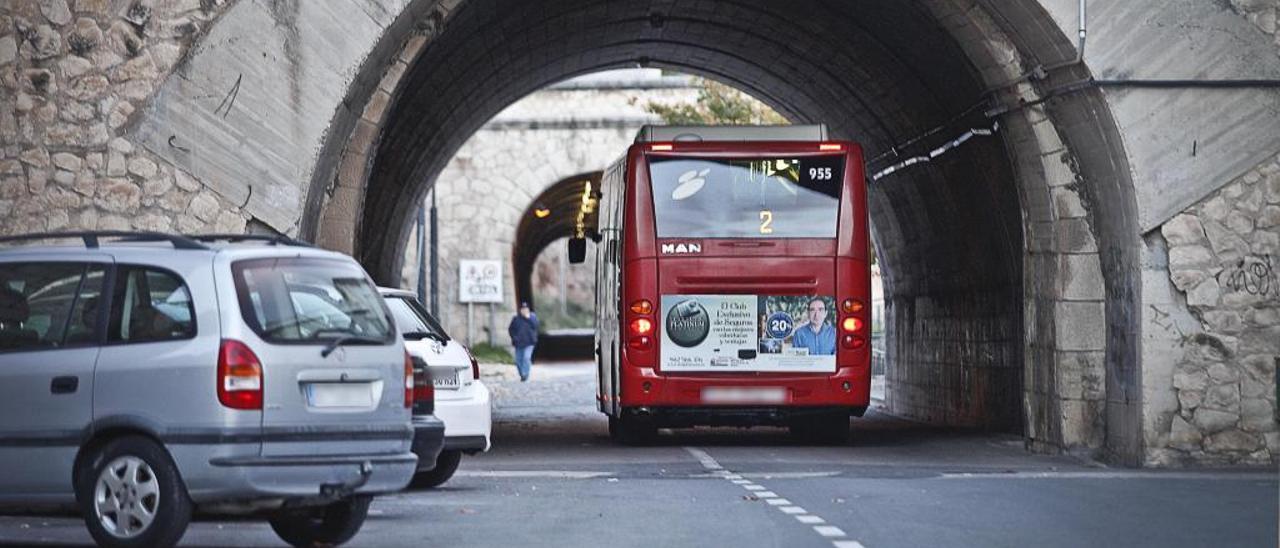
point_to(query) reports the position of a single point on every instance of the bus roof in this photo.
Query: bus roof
(814, 132)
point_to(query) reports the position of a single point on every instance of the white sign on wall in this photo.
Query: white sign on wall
(479, 281)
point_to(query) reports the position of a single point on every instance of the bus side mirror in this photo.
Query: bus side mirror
(577, 250)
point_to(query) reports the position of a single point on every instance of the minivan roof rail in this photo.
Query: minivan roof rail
(236, 238)
(91, 237)
(810, 132)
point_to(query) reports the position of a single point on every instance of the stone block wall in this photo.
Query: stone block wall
(74, 74)
(1265, 14)
(1223, 257)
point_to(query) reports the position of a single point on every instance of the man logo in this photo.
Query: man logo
(681, 249)
(688, 323)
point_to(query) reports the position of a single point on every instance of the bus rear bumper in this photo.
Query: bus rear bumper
(761, 395)
(684, 417)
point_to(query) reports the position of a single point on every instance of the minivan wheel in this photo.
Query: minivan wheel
(131, 494)
(329, 525)
(446, 465)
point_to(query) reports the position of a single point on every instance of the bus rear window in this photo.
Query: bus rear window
(797, 197)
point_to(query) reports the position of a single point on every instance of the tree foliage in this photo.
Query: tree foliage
(717, 104)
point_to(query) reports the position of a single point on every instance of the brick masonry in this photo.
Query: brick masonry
(1223, 256)
(75, 74)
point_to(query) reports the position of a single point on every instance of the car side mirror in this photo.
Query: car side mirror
(577, 250)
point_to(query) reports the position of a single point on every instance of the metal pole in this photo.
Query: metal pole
(435, 259)
(492, 326)
(422, 255)
(564, 283)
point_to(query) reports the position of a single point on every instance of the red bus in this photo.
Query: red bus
(732, 281)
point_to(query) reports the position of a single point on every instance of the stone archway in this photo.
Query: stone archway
(1091, 214)
(974, 244)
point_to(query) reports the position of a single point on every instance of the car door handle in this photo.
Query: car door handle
(64, 385)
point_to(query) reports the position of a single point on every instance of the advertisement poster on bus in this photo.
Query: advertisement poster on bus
(757, 333)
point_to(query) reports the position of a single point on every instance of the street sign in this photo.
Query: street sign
(479, 281)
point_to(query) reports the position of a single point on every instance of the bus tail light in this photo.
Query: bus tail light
(661, 147)
(239, 376)
(853, 342)
(638, 325)
(641, 327)
(643, 342)
(851, 324)
(828, 147)
(851, 306)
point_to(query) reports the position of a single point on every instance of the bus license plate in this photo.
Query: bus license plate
(743, 395)
(444, 380)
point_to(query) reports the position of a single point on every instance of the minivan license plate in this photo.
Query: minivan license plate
(339, 394)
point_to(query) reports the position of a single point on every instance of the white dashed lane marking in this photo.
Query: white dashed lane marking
(837, 535)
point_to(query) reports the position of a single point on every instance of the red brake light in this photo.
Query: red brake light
(642, 306)
(239, 376)
(661, 147)
(424, 392)
(853, 342)
(830, 146)
(641, 326)
(475, 367)
(851, 324)
(641, 343)
(409, 390)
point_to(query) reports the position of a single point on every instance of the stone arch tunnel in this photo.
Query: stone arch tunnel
(1062, 278)
(561, 204)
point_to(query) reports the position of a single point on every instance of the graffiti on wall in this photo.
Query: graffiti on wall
(1255, 275)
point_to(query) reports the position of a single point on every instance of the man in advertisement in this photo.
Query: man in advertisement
(817, 335)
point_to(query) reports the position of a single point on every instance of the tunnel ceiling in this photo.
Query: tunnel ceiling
(876, 72)
(949, 233)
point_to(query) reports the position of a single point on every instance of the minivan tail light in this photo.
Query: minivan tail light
(475, 367)
(409, 391)
(239, 376)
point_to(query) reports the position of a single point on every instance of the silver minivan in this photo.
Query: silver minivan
(145, 378)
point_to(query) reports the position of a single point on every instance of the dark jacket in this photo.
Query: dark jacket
(524, 331)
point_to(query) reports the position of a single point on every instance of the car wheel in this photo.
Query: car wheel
(446, 465)
(329, 525)
(131, 494)
(632, 431)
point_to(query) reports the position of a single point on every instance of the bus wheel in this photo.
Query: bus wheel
(825, 430)
(632, 431)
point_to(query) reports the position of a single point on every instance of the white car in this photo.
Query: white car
(461, 400)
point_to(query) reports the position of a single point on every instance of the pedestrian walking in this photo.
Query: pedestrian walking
(524, 336)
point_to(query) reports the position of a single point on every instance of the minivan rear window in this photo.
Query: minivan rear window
(301, 300)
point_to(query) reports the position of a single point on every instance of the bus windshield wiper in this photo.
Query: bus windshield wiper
(339, 341)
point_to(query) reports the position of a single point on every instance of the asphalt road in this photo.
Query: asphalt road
(554, 479)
